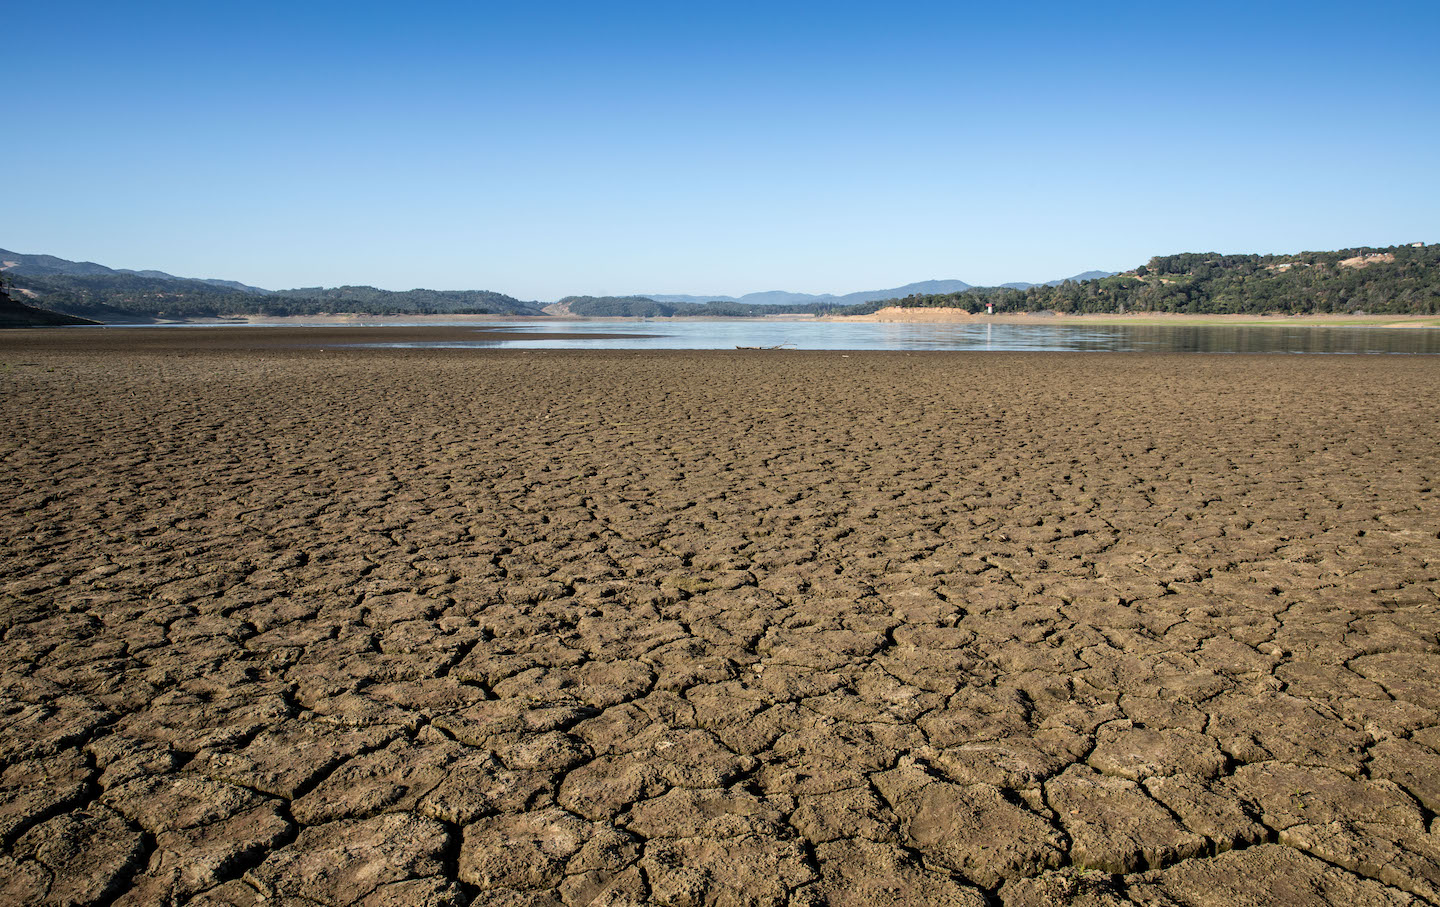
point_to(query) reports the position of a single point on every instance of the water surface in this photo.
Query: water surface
(1069, 337)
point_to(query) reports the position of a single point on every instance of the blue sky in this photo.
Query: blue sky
(549, 149)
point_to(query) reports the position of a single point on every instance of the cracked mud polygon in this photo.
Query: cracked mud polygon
(311, 626)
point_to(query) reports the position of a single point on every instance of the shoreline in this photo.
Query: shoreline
(893, 314)
(904, 315)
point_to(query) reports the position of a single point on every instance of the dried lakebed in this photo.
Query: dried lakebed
(398, 627)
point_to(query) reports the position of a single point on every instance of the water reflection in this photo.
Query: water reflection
(1114, 338)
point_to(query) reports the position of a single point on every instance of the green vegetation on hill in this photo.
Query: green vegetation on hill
(15, 314)
(1395, 280)
(118, 296)
(370, 300)
(122, 297)
(1399, 280)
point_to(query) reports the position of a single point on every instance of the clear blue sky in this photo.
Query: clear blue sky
(548, 149)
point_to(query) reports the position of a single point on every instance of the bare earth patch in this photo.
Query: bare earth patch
(533, 628)
(1365, 261)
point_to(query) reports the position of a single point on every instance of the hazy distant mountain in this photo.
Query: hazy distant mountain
(1395, 279)
(1078, 278)
(748, 299)
(21, 265)
(784, 297)
(922, 288)
(92, 290)
(1399, 280)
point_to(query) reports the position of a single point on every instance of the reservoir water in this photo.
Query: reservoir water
(1062, 337)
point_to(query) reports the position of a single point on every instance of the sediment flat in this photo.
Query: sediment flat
(288, 621)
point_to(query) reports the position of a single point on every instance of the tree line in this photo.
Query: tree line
(1395, 280)
(1392, 280)
(132, 296)
(1398, 280)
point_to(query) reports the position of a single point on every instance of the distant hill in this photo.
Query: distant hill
(94, 291)
(1082, 277)
(784, 297)
(1396, 279)
(377, 301)
(16, 314)
(924, 287)
(1078, 278)
(1391, 280)
(18, 264)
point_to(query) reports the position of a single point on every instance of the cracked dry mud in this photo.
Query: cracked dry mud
(537, 629)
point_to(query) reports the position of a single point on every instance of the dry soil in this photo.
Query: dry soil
(310, 626)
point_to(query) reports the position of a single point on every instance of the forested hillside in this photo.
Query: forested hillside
(15, 314)
(1394, 280)
(308, 300)
(121, 296)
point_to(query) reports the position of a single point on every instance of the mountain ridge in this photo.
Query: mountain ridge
(1394, 279)
(112, 295)
(923, 287)
(22, 264)
(45, 266)
(16, 314)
